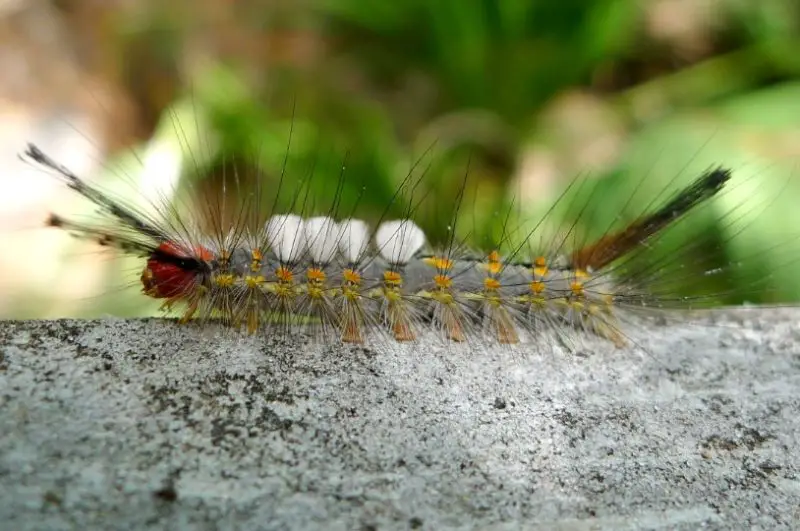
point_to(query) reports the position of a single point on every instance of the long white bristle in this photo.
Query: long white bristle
(353, 239)
(285, 236)
(321, 236)
(398, 241)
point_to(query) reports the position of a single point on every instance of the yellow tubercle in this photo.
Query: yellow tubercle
(540, 268)
(576, 284)
(315, 274)
(442, 281)
(491, 284)
(350, 293)
(254, 281)
(576, 288)
(351, 276)
(443, 297)
(537, 287)
(441, 263)
(493, 268)
(257, 258)
(392, 295)
(493, 264)
(284, 274)
(315, 291)
(392, 278)
(224, 280)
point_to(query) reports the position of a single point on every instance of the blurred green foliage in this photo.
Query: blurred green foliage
(518, 96)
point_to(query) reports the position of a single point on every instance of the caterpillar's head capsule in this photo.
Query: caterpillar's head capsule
(172, 272)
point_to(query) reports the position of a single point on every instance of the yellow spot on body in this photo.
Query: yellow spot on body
(350, 293)
(224, 280)
(576, 288)
(537, 287)
(315, 274)
(351, 276)
(314, 291)
(442, 281)
(392, 295)
(393, 278)
(491, 284)
(538, 303)
(540, 268)
(494, 301)
(284, 290)
(253, 282)
(443, 297)
(493, 267)
(284, 274)
(441, 263)
(493, 264)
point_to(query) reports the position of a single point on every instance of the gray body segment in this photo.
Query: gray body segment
(468, 275)
(466, 306)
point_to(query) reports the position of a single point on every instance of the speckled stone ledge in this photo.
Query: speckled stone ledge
(145, 425)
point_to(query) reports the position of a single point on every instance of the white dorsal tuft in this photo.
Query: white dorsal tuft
(398, 241)
(353, 239)
(285, 236)
(321, 238)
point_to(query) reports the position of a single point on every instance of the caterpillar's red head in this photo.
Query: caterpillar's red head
(172, 272)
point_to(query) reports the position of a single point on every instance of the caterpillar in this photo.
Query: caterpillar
(346, 280)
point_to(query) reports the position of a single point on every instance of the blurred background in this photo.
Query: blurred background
(509, 101)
